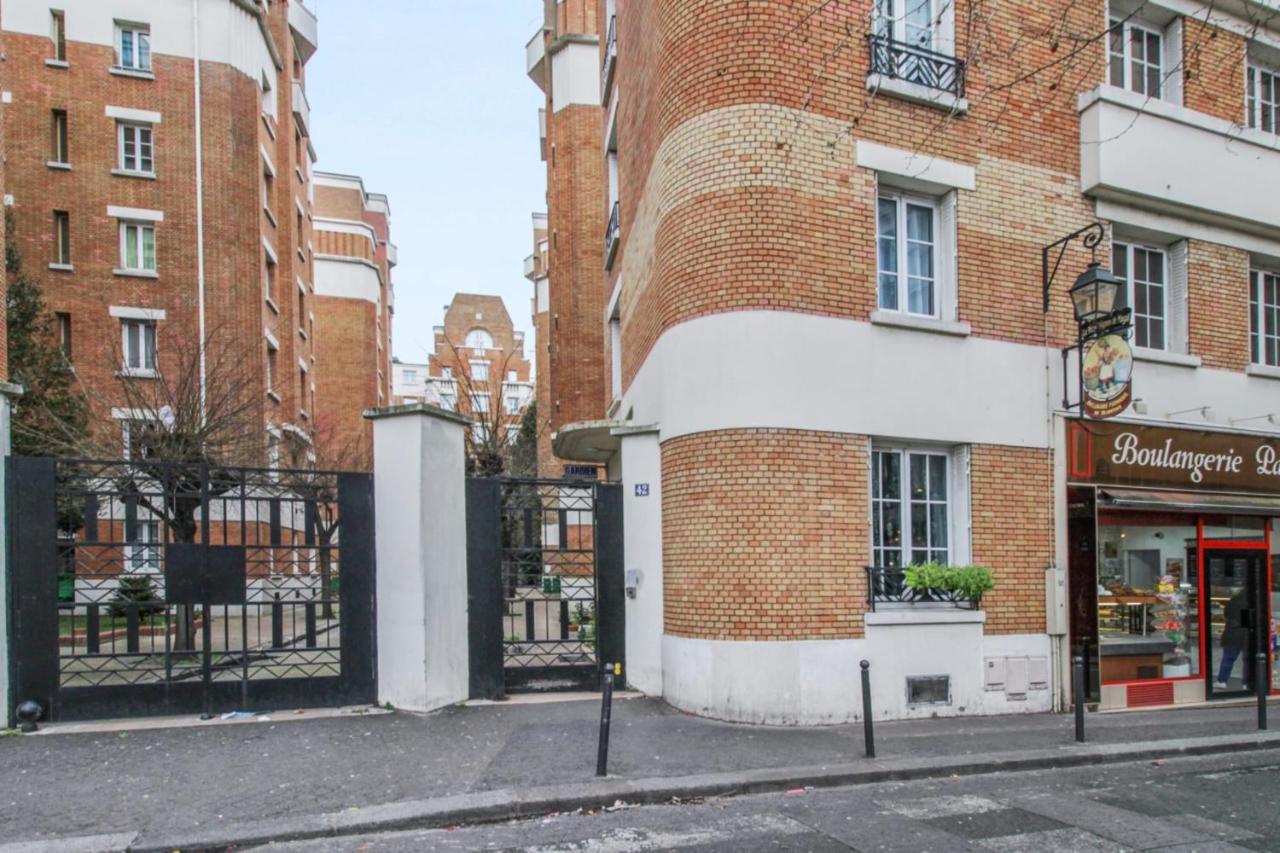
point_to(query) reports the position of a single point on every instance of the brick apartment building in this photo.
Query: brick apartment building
(569, 296)
(478, 367)
(144, 233)
(794, 276)
(354, 306)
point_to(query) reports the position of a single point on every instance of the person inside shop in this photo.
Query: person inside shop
(1234, 637)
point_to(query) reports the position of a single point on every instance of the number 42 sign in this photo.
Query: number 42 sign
(642, 490)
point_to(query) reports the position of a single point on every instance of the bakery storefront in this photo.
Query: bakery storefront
(1174, 561)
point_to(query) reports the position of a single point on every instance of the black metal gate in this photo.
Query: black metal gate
(545, 583)
(148, 587)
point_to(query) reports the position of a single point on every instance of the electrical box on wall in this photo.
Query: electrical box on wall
(1055, 598)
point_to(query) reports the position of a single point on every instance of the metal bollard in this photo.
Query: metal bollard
(606, 715)
(868, 729)
(1260, 677)
(1077, 694)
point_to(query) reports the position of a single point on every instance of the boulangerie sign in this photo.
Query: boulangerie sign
(1135, 455)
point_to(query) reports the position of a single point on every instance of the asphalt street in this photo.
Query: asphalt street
(1218, 803)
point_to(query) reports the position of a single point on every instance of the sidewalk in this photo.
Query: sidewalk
(177, 785)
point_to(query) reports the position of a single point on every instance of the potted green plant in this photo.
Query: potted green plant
(934, 581)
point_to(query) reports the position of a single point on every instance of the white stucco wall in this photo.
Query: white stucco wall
(347, 278)
(642, 537)
(420, 498)
(575, 76)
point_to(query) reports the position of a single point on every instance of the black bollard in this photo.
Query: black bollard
(606, 715)
(1077, 694)
(1260, 676)
(867, 725)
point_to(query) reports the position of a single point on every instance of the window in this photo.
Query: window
(269, 275)
(909, 507)
(446, 372)
(58, 137)
(139, 345)
(513, 404)
(136, 152)
(268, 185)
(479, 339)
(64, 335)
(143, 549)
(62, 238)
(138, 246)
(302, 390)
(409, 376)
(268, 97)
(1264, 99)
(481, 404)
(273, 366)
(58, 33)
(1135, 57)
(448, 400)
(480, 371)
(906, 21)
(133, 47)
(1264, 318)
(302, 309)
(1144, 271)
(511, 376)
(906, 231)
(141, 438)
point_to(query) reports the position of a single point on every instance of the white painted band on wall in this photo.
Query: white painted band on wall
(135, 213)
(913, 164)
(130, 114)
(126, 312)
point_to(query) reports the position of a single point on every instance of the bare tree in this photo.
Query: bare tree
(318, 485)
(488, 443)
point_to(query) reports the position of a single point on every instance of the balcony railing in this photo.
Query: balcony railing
(610, 55)
(887, 585)
(917, 65)
(611, 234)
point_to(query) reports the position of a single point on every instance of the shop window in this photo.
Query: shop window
(1233, 528)
(1274, 637)
(1148, 598)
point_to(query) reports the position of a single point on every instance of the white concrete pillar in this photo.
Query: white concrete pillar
(419, 488)
(642, 537)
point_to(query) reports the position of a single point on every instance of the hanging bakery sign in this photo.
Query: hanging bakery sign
(1106, 376)
(1135, 455)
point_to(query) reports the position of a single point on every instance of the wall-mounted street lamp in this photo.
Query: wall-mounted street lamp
(1105, 359)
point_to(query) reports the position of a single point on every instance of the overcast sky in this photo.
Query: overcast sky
(428, 101)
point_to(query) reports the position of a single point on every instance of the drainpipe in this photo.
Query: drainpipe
(199, 128)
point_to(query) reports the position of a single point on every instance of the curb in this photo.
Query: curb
(509, 803)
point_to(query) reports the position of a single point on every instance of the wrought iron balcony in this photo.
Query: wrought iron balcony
(918, 65)
(610, 56)
(888, 585)
(611, 234)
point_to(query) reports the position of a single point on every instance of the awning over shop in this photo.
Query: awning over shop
(1190, 502)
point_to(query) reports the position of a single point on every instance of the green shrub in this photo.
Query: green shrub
(972, 582)
(136, 589)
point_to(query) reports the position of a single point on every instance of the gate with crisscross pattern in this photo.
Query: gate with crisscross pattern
(146, 587)
(545, 583)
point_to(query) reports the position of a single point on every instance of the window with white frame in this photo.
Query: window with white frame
(141, 437)
(910, 22)
(1264, 318)
(1137, 57)
(446, 373)
(1263, 100)
(910, 507)
(409, 376)
(1145, 271)
(513, 404)
(448, 399)
(480, 403)
(143, 549)
(273, 365)
(479, 339)
(138, 246)
(133, 46)
(480, 371)
(907, 254)
(139, 339)
(136, 152)
(58, 34)
(479, 432)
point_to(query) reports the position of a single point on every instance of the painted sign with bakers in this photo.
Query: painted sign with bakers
(1122, 454)
(1106, 375)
